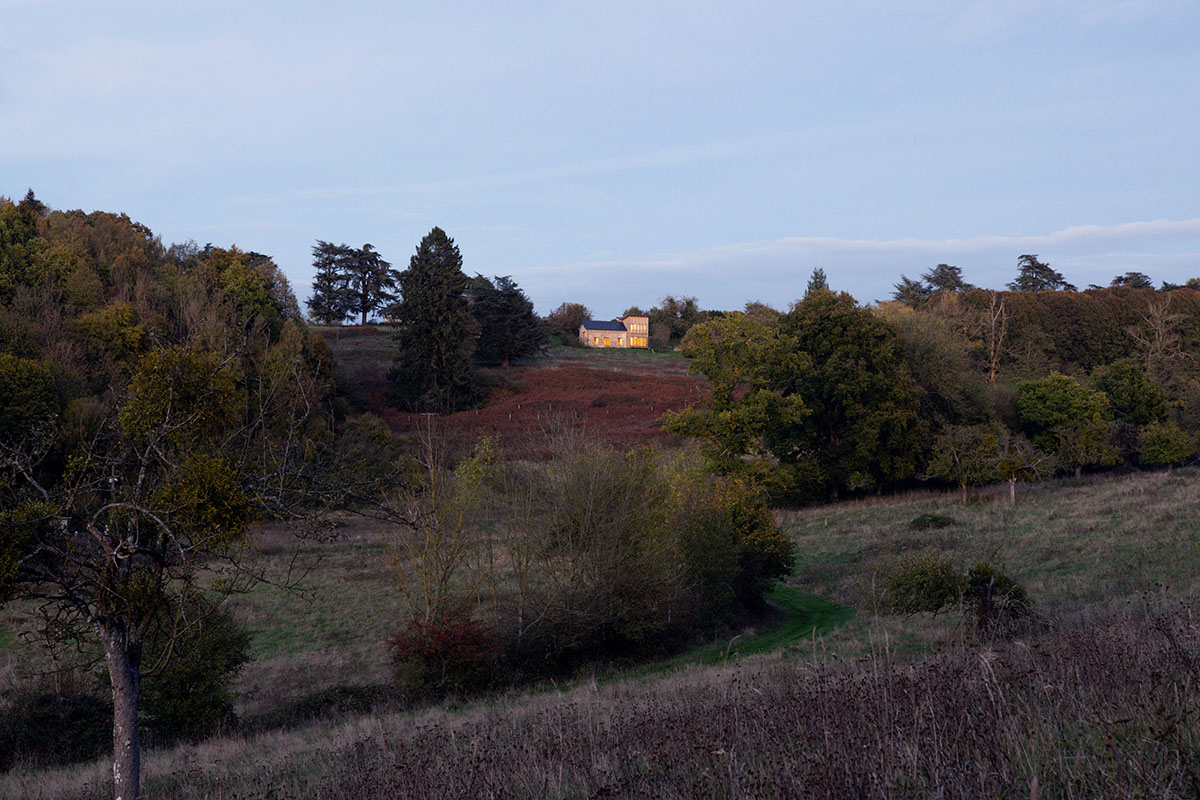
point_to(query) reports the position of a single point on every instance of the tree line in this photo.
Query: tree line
(965, 386)
(155, 403)
(445, 323)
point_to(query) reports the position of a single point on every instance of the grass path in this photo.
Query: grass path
(804, 616)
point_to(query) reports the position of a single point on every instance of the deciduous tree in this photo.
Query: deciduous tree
(566, 319)
(166, 484)
(966, 455)
(863, 428)
(1133, 396)
(1164, 443)
(1057, 402)
(151, 436)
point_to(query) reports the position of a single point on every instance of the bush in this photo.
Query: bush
(193, 658)
(924, 522)
(922, 582)
(1164, 443)
(45, 729)
(998, 605)
(452, 654)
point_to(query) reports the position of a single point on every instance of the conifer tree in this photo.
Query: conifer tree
(945, 277)
(370, 281)
(508, 328)
(1038, 276)
(816, 282)
(435, 332)
(350, 280)
(329, 303)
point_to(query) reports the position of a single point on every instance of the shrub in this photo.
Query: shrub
(1164, 443)
(997, 604)
(451, 654)
(924, 522)
(46, 728)
(192, 660)
(919, 582)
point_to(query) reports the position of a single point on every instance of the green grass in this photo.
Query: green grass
(1080, 547)
(805, 616)
(1074, 544)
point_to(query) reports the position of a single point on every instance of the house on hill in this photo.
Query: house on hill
(629, 331)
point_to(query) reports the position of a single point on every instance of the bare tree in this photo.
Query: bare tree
(1158, 337)
(995, 329)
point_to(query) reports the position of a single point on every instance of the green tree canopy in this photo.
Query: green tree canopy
(823, 393)
(1164, 443)
(1084, 443)
(967, 455)
(817, 282)
(863, 427)
(1134, 280)
(27, 397)
(352, 280)
(1058, 401)
(744, 362)
(508, 328)
(1038, 276)
(566, 319)
(911, 293)
(952, 390)
(435, 332)
(677, 315)
(945, 277)
(330, 300)
(152, 432)
(1133, 396)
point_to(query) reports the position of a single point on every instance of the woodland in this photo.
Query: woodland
(168, 416)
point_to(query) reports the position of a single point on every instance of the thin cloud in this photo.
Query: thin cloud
(776, 271)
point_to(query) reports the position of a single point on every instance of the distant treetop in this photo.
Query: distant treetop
(1038, 276)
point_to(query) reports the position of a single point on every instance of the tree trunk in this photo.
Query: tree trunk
(1078, 471)
(364, 319)
(964, 493)
(1012, 491)
(123, 667)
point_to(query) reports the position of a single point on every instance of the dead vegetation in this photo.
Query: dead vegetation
(1102, 703)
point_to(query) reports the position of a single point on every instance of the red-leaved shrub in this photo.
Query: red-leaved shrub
(451, 654)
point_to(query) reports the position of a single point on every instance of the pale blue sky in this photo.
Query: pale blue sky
(613, 152)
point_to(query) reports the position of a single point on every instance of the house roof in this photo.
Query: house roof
(603, 325)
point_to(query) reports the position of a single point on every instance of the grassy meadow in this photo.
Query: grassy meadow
(830, 701)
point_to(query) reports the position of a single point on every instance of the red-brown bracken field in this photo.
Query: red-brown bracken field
(614, 395)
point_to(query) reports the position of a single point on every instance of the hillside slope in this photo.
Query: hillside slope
(617, 396)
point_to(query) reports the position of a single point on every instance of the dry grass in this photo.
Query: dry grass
(1104, 711)
(1074, 544)
(1102, 705)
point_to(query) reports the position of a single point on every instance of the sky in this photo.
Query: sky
(614, 152)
